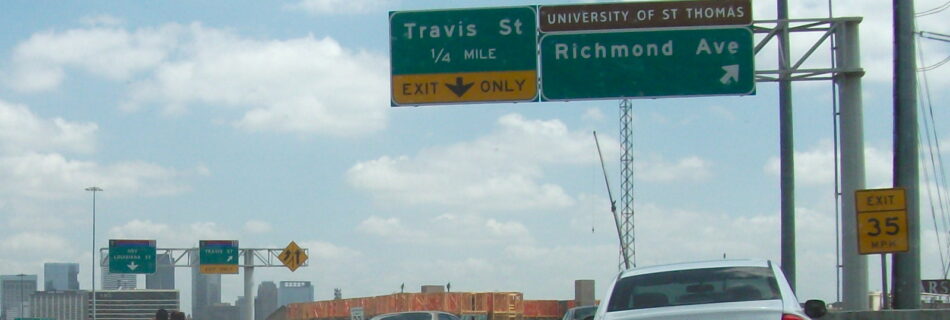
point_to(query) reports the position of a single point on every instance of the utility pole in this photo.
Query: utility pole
(787, 146)
(906, 266)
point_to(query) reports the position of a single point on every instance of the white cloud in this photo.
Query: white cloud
(35, 241)
(817, 166)
(504, 170)
(655, 168)
(500, 171)
(23, 130)
(447, 230)
(383, 227)
(52, 176)
(103, 20)
(302, 85)
(116, 54)
(257, 227)
(168, 235)
(326, 252)
(321, 7)
(593, 114)
(305, 85)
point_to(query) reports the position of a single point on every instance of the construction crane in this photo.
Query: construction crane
(626, 263)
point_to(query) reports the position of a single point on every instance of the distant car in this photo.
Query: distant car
(417, 315)
(726, 289)
(579, 313)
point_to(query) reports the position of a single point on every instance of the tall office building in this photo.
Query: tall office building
(266, 301)
(241, 303)
(60, 305)
(221, 311)
(294, 292)
(118, 281)
(135, 304)
(15, 291)
(205, 290)
(60, 276)
(164, 276)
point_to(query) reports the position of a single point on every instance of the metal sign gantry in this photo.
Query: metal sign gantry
(252, 258)
(182, 257)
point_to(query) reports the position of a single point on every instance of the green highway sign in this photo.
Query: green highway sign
(464, 55)
(132, 256)
(218, 256)
(647, 64)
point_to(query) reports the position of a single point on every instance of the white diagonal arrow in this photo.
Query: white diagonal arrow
(732, 74)
(133, 266)
(230, 258)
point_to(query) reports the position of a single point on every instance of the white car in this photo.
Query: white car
(726, 289)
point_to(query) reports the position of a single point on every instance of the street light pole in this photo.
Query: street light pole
(93, 269)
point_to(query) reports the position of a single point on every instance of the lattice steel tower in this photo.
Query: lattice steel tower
(626, 184)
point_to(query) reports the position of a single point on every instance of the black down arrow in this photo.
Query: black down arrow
(459, 88)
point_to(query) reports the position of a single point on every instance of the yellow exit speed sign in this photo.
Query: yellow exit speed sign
(882, 220)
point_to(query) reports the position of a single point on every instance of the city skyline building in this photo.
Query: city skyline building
(205, 290)
(60, 305)
(293, 292)
(164, 276)
(15, 293)
(266, 301)
(135, 304)
(221, 311)
(118, 281)
(60, 276)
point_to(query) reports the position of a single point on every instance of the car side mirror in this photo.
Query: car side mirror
(816, 308)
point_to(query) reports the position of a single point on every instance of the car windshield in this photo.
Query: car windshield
(695, 286)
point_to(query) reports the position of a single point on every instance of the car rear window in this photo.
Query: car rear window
(409, 316)
(695, 286)
(584, 312)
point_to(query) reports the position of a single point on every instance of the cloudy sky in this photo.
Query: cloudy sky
(270, 121)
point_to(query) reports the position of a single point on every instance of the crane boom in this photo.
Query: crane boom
(613, 204)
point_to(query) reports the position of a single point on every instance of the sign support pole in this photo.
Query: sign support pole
(854, 266)
(248, 285)
(884, 299)
(786, 147)
(906, 266)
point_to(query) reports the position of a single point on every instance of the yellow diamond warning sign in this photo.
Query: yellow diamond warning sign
(498, 86)
(293, 256)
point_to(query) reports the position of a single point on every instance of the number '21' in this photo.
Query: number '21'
(890, 226)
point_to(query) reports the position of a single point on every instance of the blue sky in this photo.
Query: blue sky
(269, 121)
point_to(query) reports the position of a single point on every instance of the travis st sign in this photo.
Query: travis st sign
(467, 55)
(646, 64)
(132, 256)
(218, 256)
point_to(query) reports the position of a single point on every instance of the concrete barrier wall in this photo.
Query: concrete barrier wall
(889, 315)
